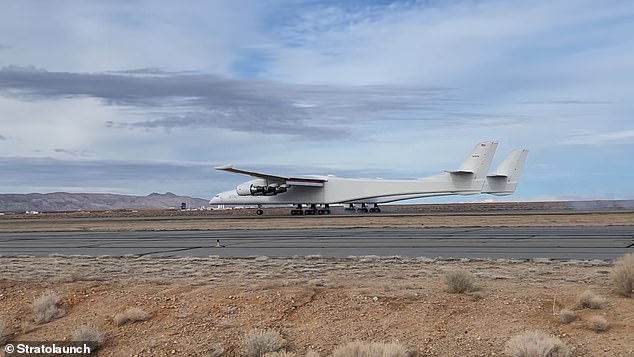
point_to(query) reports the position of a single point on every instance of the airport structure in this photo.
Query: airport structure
(317, 193)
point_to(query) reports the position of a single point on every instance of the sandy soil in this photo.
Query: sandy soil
(61, 223)
(314, 303)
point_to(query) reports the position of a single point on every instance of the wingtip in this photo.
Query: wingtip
(223, 167)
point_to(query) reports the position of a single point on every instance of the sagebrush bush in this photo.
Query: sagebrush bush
(371, 349)
(257, 343)
(567, 316)
(132, 314)
(460, 281)
(536, 344)
(4, 332)
(599, 323)
(89, 334)
(45, 307)
(216, 350)
(282, 353)
(590, 300)
(623, 275)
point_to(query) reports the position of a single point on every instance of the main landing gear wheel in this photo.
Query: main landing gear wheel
(363, 209)
(259, 212)
(375, 209)
(298, 211)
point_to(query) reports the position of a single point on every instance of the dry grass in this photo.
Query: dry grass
(27, 326)
(4, 332)
(89, 334)
(599, 323)
(45, 307)
(312, 353)
(216, 350)
(623, 275)
(373, 349)
(282, 353)
(257, 343)
(536, 344)
(589, 300)
(132, 314)
(460, 281)
(567, 316)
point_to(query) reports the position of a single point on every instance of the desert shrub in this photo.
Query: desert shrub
(567, 316)
(27, 326)
(257, 343)
(623, 275)
(373, 349)
(536, 344)
(215, 351)
(282, 353)
(4, 332)
(90, 335)
(460, 281)
(590, 300)
(132, 314)
(599, 323)
(45, 307)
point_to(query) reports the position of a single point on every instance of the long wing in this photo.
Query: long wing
(291, 181)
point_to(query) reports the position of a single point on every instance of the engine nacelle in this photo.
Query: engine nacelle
(260, 187)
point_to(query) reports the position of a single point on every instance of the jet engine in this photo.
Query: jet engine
(260, 188)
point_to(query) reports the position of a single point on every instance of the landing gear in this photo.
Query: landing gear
(363, 209)
(325, 210)
(312, 211)
(298, 211)
(375, 209)
(350, 208)
(259, 212)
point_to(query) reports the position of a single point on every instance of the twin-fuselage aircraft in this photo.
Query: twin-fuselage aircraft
(317, 193)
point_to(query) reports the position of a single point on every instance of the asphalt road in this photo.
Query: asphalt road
(506, 242)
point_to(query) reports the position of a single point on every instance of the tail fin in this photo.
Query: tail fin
(478, 162)
(504, 180)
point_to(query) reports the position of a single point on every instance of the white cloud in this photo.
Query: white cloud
(621, 137)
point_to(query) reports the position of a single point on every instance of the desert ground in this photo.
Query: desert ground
(246, 219)
(316, 304)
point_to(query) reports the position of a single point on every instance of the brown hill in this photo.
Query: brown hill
(64, 201)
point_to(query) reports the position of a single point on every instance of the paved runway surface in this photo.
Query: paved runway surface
(512, 242)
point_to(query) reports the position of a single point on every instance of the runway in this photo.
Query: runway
(504, 242)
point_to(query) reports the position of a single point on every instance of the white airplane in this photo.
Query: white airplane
(470, 178)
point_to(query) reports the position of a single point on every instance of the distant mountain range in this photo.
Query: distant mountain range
(64, 201)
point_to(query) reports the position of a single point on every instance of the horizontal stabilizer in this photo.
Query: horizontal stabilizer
(460, 172)
(504, 180)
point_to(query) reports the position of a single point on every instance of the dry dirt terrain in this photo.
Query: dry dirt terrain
(316, 304)
(75, 222)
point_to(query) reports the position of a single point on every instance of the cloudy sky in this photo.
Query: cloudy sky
(145, 96)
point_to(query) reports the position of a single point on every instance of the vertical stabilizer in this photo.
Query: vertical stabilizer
(506, 176)
(479, 161)
(470, 176)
